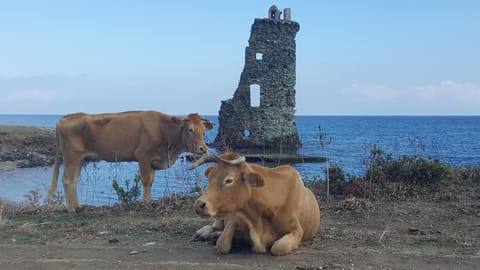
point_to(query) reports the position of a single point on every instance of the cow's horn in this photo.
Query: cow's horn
(236, 161)
(203, 159)
(215, 158)
(207, 120)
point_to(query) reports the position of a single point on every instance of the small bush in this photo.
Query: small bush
(131, 193)
(337, 179)
(32, 199)
(55, 201)
(338, 182)
(409, 169)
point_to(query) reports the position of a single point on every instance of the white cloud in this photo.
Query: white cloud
(36, 95)
(446, 97)
(447, 90)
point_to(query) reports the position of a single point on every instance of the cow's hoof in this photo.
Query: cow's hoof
(279, 250)
(259, 249)
(224, 248)
(203, 233)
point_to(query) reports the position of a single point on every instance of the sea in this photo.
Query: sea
(347, 143)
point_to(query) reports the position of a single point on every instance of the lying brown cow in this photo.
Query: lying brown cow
(268, 207)
(152, 138)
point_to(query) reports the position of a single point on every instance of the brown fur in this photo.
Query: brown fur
(152, 138)
(270, 207)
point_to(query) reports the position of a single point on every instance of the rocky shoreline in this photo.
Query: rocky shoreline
(30, 146)
(26, 147)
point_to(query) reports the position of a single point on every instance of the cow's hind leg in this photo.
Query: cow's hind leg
(288, 242)
(71, 172)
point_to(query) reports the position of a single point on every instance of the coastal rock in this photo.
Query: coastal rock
(25, 147)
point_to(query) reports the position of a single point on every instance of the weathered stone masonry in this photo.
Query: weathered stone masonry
(269, 64)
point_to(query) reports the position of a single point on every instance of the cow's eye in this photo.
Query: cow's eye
(190, 129)
(228, 181)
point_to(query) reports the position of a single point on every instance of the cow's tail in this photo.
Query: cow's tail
(56, 165)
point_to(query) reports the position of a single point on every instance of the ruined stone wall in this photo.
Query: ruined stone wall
(269, 63)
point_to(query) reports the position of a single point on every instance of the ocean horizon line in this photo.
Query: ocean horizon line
(302, 115)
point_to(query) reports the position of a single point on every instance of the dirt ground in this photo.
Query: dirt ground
(433, 231)
(422, 233)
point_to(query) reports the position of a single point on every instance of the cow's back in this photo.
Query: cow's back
(118, 134)
(110, 136)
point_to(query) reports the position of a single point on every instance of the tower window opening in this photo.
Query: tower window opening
(259, 56)
(254, 95)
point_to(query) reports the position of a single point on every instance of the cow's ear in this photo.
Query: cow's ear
(177, 121)
(208, 170)
(253, 179)
(208, 125)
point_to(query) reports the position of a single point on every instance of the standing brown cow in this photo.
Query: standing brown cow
(269, 207)
(152, 138)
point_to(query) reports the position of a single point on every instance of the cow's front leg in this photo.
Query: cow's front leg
(224, 242)
(147, 174)
(288, 242)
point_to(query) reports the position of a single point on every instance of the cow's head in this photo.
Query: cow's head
(230, 185)
(193, 132)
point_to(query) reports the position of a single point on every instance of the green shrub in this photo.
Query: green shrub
(130, 193)
(337, 179)
(407, 169)
(398, 177)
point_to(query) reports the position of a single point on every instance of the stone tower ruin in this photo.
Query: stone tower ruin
(261, 114)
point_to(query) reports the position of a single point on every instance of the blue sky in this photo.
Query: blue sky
(353, 57)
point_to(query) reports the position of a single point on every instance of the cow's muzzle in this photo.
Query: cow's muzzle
(198, 149)
(200, 208)
(202, 149)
